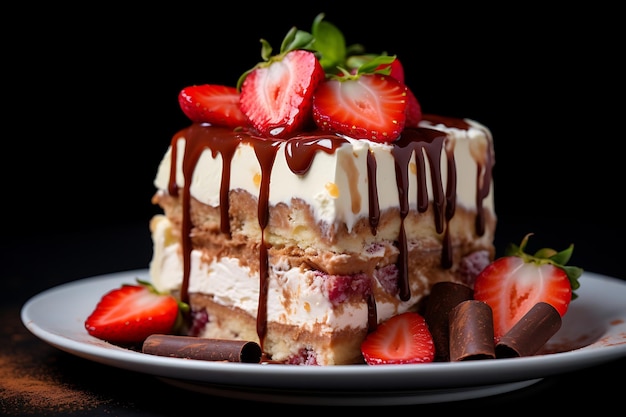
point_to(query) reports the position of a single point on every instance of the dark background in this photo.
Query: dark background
(91, 104)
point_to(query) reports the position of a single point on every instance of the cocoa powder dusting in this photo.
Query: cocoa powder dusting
(35, 393)
(29, 383)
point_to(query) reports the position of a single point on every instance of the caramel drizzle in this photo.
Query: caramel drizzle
(300, 152)
(483, 186)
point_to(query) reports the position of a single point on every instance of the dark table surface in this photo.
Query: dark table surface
(79, 160)
(37, 378)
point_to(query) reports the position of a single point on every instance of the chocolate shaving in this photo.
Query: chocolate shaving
(443, 297)
(471, 331)
(188, 347)
(530, 333)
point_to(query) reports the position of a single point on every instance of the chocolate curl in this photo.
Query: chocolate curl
(189, 347)
(530, 333)
(471, 331)
(444, 296)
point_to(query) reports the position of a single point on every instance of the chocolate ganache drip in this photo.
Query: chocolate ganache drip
(199, 137)
(484, 176)
(300, 152)
(418, 142)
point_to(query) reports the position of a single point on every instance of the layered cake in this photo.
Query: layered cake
(305, 238)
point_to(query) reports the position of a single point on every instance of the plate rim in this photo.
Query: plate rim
(386, 378)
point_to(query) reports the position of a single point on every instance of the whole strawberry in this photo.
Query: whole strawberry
(514, 283)
(129, 314)
(277, 94)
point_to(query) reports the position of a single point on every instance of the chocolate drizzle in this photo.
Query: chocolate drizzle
(300, 151)
(374, 208)
(266, 154)
(418, 142)
(199, 137)
(484, 176)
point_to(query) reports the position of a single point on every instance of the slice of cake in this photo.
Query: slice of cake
(303, 222)
(303, 244)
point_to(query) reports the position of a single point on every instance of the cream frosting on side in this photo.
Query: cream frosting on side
(336, 185)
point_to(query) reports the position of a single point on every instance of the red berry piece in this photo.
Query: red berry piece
(402, 339)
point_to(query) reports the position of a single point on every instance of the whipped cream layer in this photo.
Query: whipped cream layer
(333, 179)
(295, 297)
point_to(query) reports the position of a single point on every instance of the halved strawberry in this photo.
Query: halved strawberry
(513, 284)
(277, 94)
(131, 313)
(363, 106)
(402, 339)
(212, 103)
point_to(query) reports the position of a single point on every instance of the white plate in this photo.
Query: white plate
(593, 332)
